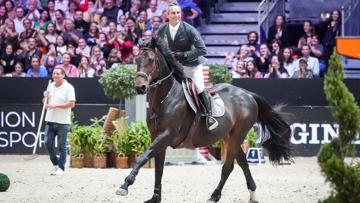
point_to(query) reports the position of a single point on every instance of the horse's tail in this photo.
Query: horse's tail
(272, 123)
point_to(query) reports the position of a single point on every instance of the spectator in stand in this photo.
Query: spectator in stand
(33, 13)
(278, 31)
(83, 49)
(10, 9)
(51, 59)
(102, 42)
(70, 13)
(18, 21)
(7, 59)
(121, 26)
(252, 70)
(125, 46)
(104, 24)
(32, 51)
(8, 34)
(95, 56)
(162, 5)
(153, 9)
(92, 35)
(80, 24)
(19, 71)
(101, 67)
(253, 39)
(114, 58)
(317, 51)
(303, 71)
(111, 11)
(134, 9)
(164, 17)
(329, 30)
(41, 40)
(61, 5)
(26, 34)
(312, 62)
(239, 70)
(20, 3)
(70, 69)
(155, 24)
(3, 14)
(36, 69)
(69, 33)
(51, 9)
(112, 32)
(148, 35)
(60, 20)
(142, 20)
(276, 70)
(288, 62)
(60, 45)
(43, 20)
(308, 31)
(50, 33)
(133, 32)
(191, 12)
(263, 58)
(84, 69)
(276, 47)
(134, 54)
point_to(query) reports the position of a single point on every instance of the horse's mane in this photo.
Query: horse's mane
(169, 59)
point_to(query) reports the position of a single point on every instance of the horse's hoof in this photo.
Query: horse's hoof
(121, 192)
(253, 201)
(210, 201)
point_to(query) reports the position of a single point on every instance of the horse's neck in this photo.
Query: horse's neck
(159, 94)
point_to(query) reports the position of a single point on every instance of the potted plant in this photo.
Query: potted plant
(99, 151)
(76, 157)
(140, 139)
(121, 144)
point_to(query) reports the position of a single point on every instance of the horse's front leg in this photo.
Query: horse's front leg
(159, 168)
(158, 145)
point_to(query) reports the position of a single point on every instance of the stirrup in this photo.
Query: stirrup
(214, 125)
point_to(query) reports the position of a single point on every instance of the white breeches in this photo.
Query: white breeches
(197, 76)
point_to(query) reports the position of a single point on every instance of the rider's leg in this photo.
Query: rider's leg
(197, 75)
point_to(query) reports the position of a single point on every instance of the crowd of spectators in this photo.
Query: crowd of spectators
(84, 37)
(278, 58)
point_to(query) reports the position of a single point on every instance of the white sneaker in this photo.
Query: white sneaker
(58, 172)
(55, 168)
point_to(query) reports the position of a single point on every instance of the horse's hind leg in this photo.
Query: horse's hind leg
(241, 160)
(225, 172)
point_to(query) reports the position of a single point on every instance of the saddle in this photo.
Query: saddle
(192, 98)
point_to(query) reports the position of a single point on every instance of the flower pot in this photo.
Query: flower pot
(88, 160)
(245, 146)
(99, 161)
(77, 161)
(122, 162)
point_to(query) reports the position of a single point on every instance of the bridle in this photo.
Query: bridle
(149, 76)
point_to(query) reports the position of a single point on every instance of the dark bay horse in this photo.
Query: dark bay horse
(169, 119)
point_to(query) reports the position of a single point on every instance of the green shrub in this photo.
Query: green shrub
(4, 182)
(219, 74)
(139, 137)
(118, 82)
(344, 178)
(120, 138)
(252, 136)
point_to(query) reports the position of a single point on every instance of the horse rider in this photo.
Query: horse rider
(189, 49)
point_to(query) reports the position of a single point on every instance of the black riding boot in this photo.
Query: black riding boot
(211, 122)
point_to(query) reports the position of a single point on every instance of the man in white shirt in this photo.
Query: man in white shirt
(61, 99)
(313, 63)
